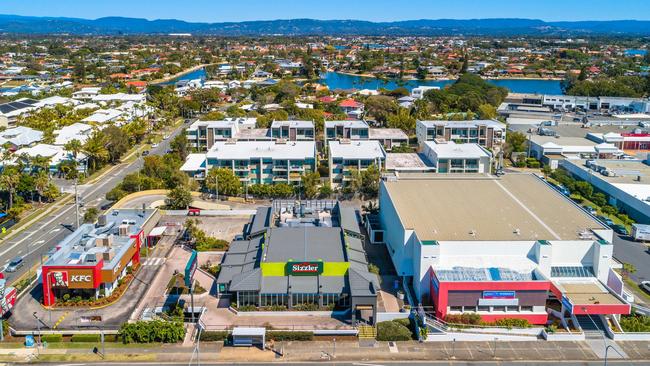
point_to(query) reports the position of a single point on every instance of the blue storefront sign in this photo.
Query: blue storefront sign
(498, 294)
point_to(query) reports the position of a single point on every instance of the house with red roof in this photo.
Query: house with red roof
(352, 108)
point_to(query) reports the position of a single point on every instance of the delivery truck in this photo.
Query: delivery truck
(641, 232)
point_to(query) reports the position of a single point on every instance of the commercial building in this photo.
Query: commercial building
(487, 133)
(346, 156)
(91, 261)
(551, 149)
(256, 162)
(499, 247)
(625, 182)
(450, 157)
(301, 255)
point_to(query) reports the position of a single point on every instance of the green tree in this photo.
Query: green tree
(225, 180)
(310, 182)
(515, 142)
(627, 270)
(91, 215)
(9, 180)
(41, 183)
(283, 190)
(179, 198)
(95, 149)
(402, 120)
(370, 182)
(487, 111)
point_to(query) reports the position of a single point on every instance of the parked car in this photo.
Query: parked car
(645, 285)
(620, 229)
(606, 220)
(563, 190)
(153, 146)
(15, 264)
(590, 209)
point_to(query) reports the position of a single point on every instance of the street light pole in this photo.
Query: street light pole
(76, 201)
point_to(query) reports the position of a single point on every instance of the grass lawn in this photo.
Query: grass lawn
(638, 291)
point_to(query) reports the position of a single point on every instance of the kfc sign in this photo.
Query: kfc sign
(304, 268)
(59, 279)
(65, 279)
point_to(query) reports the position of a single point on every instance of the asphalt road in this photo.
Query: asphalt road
(638, 254)
(34, 242)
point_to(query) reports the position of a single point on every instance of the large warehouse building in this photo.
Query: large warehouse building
(500, 247)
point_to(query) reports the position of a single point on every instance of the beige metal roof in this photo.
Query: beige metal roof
(513, 207)
(588, 294)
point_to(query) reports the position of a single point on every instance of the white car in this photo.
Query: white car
(645, 285)
(154, 146)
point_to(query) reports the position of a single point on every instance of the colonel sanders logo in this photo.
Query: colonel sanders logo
(60, 279)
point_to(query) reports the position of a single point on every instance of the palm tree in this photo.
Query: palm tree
(9, 180)
(41, 163)
(96, 149)
(74, 147)
(41, 183)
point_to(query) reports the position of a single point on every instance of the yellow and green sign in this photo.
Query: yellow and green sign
(307, 268)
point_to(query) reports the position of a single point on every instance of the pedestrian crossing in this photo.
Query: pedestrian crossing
(153, 261)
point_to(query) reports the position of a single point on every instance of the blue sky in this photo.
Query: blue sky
(375, 10)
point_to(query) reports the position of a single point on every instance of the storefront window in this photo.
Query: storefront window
(245, 298)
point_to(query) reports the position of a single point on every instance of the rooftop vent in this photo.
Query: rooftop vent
(517, 232)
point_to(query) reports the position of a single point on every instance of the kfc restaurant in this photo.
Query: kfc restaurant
(91, 261)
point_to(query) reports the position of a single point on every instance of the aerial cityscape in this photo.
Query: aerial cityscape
(355, 183)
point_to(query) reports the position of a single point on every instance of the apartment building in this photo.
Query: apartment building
(346, 156)
(202, 135)
(487, 133)
(293, 130)
(359, 130)
(450, 157)
(256, 162)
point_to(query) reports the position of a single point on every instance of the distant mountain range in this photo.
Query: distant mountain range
(487, 27)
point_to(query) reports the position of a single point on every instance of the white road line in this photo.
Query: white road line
(63, 212)
(56, 230)
(40, 242)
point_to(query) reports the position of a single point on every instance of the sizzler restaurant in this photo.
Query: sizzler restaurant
(309, 266)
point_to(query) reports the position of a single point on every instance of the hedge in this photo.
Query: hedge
(214, 336)
(152, 331)
(393, 331)
(289, 336)
(89, 338)
(52, 338)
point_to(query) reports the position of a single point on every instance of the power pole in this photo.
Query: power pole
(76, 201)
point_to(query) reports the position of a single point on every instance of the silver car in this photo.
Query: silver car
(15, 264)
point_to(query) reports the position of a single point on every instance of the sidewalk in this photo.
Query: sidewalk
(318, 351)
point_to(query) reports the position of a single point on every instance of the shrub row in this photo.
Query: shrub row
(289, 336)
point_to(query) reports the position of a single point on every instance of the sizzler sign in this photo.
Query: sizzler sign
(304, 268)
